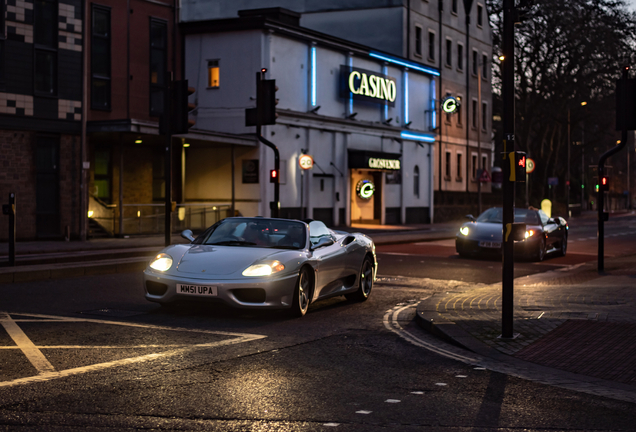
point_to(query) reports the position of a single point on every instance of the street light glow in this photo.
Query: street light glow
(501, 58)
(583, 103)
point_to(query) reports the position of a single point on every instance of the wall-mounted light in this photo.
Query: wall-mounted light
(186, 145)
(138, 141)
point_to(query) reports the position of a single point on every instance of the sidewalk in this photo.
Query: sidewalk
(576, 321)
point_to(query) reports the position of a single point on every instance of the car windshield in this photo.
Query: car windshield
(494, 215)
(255, 232)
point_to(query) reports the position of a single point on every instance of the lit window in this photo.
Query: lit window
(213, 73)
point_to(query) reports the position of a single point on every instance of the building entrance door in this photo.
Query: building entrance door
(47, 164)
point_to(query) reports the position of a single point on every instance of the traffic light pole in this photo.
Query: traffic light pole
(507, 280)
(275, 205)
(601, 174)
(168, 164)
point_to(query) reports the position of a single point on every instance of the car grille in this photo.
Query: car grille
(156, 288)
(250, 295)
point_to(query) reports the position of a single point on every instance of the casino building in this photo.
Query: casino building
(366, 118)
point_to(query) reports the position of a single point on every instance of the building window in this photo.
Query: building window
(459, 167)
(474, 167)
(2, 37)
(459, 112)
(474, 114)
(45, 43)
(418, 41)
(454, 7)
(101, 171)
(100, 58)
(460, 57)
(416, 181)
(431, 45)
(475, 62)
(213, 73)
(449, 53)
(480, 19)
(158, 65)
(484, 116)
(484, 162)
(484, 66)
(448, 166)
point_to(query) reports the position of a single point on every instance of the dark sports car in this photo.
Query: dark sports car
(484, 235)
(264, 263)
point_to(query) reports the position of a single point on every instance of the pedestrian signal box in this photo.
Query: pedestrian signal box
(273, 176)
(604, 183)
(518, 170)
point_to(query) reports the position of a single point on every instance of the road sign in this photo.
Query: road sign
(529, 165)
(484, 177)
(305, 161)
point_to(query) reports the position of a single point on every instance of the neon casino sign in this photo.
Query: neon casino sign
(365, 189)
(367, 86)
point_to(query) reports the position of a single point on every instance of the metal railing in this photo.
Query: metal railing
(150, 218)
(102, 213)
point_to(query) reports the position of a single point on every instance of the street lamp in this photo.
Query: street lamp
(567, 181)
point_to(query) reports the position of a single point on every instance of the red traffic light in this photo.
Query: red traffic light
(522, 162)
(604, 181)
(273, 176)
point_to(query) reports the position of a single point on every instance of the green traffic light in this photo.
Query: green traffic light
(582, 186)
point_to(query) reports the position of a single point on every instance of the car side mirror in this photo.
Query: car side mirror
(471, 217)
(324, 241)
(552, 221)
(187, 234)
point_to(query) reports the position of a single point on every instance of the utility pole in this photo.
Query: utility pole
(567, 181)
(507, 280)
(625, 110)
(167, 126)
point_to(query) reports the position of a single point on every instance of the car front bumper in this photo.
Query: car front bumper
(246, 293)
(467, 246)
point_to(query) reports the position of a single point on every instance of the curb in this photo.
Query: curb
(32, 273)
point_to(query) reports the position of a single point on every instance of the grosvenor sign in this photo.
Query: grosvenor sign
(388, 164)
(367, 85)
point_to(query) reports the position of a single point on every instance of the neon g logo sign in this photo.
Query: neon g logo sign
(366, 85)
(365, 189)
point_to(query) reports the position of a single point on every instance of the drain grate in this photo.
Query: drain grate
(118, 313)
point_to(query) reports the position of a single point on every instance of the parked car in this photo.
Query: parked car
(484, 234)
(264, 263)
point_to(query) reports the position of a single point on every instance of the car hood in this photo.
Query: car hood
(483, 231)
(220, 260)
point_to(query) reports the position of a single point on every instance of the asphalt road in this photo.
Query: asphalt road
(112, 361)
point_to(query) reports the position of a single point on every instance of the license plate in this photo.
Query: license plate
(488, 244)
(196, 289)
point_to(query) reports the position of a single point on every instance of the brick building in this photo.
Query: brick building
(40, 115)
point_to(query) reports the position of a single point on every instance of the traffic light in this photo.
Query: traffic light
(182, 107)
(520, 167)
(266, 102)
(273, 176)
(604, 183)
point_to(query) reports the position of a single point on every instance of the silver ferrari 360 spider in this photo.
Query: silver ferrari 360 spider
(264, 263)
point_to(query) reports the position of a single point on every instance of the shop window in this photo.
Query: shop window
(45, 44)
(100, 58)
(418, 41)
(416, 181)
(431, 45)
(213, 73)
(459, 167)
(102, 174)
(448, 166)
(460, 57)
(449, 53)
(158, 65)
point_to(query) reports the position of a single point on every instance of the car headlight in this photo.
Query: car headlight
(529, 233)
(464, 230)
(264, 269)
(162, 262)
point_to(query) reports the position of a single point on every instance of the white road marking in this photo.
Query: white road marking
(392, 401)
(363, 412)
(441, 384)
(418, 392)
(35, 356)
(461, 376)
(331, 424)
(47, 375)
